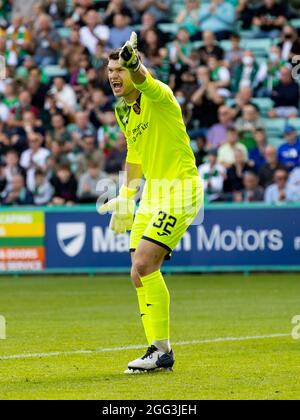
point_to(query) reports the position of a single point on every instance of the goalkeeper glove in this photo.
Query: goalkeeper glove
(129, 56)
(122, 209)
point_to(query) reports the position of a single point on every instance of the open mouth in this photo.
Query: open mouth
(117, 86)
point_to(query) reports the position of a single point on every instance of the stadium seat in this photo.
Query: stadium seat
(295, 122)
(275, 141)
(55, 71)
(171, 28)
(264, 104)
(260, 47)
(64, 32)
(226, 45)
(295, 23)
(274, 126)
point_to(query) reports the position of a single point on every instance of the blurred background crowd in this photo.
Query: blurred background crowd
(234, 67)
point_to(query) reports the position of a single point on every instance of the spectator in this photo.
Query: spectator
(272, 71)
(42, 189)
(247, 124)
(151, 44)
(267, 171)
(64, 95)
(160, 9)
(93, 32)
(210, 48)
(87, 187)
(47, 42)
(115, 7)
(12, 167)
(235, 173)
(59, 132)
(149, 22)
(252, 192)
(242, 98)
(220, 76)
(290, 44)
(285, 96)
(289, 152)
(188, 17)
(281, 191)
(217, 16)
(226, 152)
(201, 152)
(269, 19)
(248, 73)
(234, 56)
(35, 157)
(205, 102)
(116, 159)
(82, 127)
(217, 134)
(65, 186)
(18, 40)
(257, 154)
(120, 32)
(213, 175)
(294, 178)
(17, 113)
(18, 194)
(89, 153)
(10, 96)
(181, 48)
(245, 14)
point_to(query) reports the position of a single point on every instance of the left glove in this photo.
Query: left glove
(129, 56)
(122, 209)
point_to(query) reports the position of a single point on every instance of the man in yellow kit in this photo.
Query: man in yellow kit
(158, 149)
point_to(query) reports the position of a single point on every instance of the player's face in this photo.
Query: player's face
(119, 79)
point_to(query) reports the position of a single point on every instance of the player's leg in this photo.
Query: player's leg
(147, 261)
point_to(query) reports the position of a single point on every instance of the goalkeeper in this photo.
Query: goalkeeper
(158, 149)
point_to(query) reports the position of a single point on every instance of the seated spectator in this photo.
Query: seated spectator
(235, 173)
(99, 104)
(267, 171)
(290, 44)
(205, 102)
(181, 49)
(188, 17)
(148, 22)
(18, 40)
(226, 152)
(17, 113)
(257, 154)
(247, 124)
(65, 186)
(201, 152)
(18, 194)
(289, 152)
(251, 192)
(87, 191)
(151, 44)
(10, 98)
(281, 191)
(93, 31)
(269, 19)
(242, 98)
(294, 178)
(42, 189)
(115, 7)
(210, 48)
(120, 32)
(218, 132)
(82, 128)
(220, 76)
(213, 175)
(47, 42)
(245, 14)
(234, 56)
(64, 95)
(272, 72)
(35, 157)
(285, 96)
(115, 161)
(217, 16)
(90, 152)
(71, 49)
(59, 132)
(248, 74)
(160, 9)
(12, 167)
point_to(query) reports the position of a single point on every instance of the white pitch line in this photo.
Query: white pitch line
(139, 346)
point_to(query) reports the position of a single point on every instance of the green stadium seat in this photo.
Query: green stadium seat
(226, 45)
(264, 104)
(169, 27)
(295, 23)
(274, 126)
(55, 71)
(260, 47)
(275, 141)
(295, 122)
(64, 32)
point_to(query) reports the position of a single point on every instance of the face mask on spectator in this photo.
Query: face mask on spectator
(274, 58)
(180, 100)
(248, 61)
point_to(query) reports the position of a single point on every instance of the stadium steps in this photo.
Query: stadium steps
(55, 71)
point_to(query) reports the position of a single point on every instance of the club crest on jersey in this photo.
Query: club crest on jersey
(136, 108)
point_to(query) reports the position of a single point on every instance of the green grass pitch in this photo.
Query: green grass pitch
(68, 314)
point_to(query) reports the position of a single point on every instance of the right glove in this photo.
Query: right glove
(122, 209)
(129, 56)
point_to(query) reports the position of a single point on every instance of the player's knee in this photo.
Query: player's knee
(135, 278)
(142, 267)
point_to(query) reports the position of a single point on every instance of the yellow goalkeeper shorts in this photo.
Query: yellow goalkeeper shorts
(164, 222)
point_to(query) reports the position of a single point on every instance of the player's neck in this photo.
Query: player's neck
(132, 96)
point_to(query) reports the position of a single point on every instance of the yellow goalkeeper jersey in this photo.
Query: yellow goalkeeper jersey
(156, 134)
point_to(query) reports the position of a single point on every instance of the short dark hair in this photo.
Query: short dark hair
(114, 54)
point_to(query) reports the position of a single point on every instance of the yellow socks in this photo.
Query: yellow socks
(157, 300)
(145, 314)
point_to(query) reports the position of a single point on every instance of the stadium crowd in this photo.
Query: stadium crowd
(58, 132)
